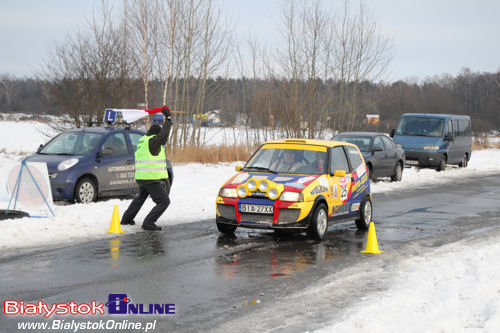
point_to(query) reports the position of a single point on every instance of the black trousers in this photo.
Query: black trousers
(159, 193)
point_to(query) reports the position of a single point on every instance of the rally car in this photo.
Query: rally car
(89, 163)
(297, 184)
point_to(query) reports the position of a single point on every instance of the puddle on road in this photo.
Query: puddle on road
(265, 254)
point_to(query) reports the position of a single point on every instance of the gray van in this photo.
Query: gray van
(434, 140)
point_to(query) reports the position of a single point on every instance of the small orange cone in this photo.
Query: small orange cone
(115, 228)
(371, 243)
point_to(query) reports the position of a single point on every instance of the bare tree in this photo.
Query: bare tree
(85, 74)
(9, 91)
(302, 66)
(360, 53)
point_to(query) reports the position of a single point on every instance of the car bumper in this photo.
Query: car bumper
(62, 186)
(285, 216)
(423, 159)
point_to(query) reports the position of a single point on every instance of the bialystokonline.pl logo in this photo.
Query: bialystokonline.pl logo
(117, 304)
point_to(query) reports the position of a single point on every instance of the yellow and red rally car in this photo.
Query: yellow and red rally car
(297, 184)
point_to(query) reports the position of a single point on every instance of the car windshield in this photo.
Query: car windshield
(284, 160)
(421, 126)
(363, 143)
(72, 143)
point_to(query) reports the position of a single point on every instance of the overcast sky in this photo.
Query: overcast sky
(431, 37)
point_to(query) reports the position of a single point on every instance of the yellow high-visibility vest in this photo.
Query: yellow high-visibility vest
(147, 166)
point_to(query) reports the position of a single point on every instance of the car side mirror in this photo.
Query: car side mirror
(449, 137)
(238, 167)
(108, 151)
(377, 149)
(339, 173)
(392, 132)
(39, 148)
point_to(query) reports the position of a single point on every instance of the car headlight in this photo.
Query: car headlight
(431, 147)
(228, 192)
(251, 184)
(291, 196)
(242, 191)
(64, 165)
(263, 185)
(273, 194)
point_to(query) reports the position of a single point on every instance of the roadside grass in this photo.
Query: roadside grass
(232, 153)
(483, 143)
(211, 154)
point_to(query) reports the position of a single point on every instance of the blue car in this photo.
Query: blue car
(90, 163)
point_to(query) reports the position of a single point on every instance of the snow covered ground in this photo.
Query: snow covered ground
(455, 287)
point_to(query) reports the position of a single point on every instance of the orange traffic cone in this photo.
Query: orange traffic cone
(371, 243)
(115, 228)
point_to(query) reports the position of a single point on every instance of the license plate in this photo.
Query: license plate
(410, 162)
(258, 209)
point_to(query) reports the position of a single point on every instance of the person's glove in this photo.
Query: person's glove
(166, 113)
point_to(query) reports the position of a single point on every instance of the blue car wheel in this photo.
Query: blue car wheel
(85, 191)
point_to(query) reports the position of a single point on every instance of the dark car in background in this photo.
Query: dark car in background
(382, 156)
(86, 164)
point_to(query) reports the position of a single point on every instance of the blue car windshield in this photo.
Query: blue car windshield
(72, 143)
(421, 126)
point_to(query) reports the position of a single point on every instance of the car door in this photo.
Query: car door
(115, 164)
(339, 186)
(360, 183)
(381, 164)
(456, 151)
(134, 139)
(451, 130)
(391, 153)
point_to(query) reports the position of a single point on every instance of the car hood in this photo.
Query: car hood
(293, 183)
(416, 142)
(51, 160)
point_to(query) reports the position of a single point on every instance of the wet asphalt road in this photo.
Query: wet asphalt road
(212, 279)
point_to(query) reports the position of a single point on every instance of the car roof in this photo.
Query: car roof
(312, 142)
(357, 134)
(102, 130)
(435, 115)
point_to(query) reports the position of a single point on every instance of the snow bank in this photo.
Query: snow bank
(455, 288)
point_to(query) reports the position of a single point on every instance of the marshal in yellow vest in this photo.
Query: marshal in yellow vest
(147, 166)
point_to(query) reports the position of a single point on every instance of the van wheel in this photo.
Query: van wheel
(464, 162)
(398, 172)
(85, 191)
(365, 214)
(319, 223)
(442, 165)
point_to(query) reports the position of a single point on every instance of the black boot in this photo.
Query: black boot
(127, 222)
(151, 226)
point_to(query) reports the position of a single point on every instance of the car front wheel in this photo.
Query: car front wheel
(319, 222)
(85, 191)
(365, 214)
(442, 165)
